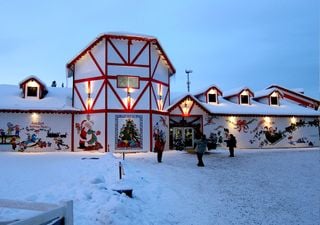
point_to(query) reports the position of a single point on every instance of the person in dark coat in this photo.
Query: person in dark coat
(201, 146)
(231, 143)
(159, 145)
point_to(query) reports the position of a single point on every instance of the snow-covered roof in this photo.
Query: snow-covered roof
(293, 91)
(179, 98)
(236, 91)
(266, 92)
(122, 35)
(255, 108)
(57, 99)
(226, 107)
(202, 90)
(35, 78)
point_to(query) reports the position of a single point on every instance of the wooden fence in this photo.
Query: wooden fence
(50, 213)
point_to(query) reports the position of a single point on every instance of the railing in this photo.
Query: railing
(50, 213)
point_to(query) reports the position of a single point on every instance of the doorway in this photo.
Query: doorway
(183, 137)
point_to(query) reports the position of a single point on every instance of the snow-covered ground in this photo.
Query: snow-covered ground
(256, 187)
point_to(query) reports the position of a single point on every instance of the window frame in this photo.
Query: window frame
(274, 98)
(32, 93)
(128, 83)
(247, 98)
(215, 98)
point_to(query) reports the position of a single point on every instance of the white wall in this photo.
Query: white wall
(36, 131)
(160, 123)
(114, 131)
(262, 132)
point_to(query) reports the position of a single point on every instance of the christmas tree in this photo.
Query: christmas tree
(129, 135)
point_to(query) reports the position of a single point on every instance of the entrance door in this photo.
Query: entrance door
(183, 137)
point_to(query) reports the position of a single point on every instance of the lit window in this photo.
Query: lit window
(128, 82)
(244, 99)
(32, 91)
(212, 98)
(274, 100)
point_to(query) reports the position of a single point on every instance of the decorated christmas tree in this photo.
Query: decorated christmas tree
(129, 135)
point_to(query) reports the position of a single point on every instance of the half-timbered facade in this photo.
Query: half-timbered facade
(121, 84)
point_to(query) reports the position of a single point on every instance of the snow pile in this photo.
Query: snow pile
(255, 187)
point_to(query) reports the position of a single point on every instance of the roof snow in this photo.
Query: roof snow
(235, 91)
(266, 92)
(286, 108)
(59, 99)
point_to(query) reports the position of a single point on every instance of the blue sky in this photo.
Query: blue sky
(228, 43)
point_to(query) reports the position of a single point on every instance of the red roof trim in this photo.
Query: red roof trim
(268, 95)
(251, 94)
(193, 99)
(295, 93)
(125, 37)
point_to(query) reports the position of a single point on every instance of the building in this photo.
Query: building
(120, 101)
(272, 118)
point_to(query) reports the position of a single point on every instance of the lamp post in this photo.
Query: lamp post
(188, 78)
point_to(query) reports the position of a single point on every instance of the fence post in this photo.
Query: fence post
(68, 213)
(120, 171)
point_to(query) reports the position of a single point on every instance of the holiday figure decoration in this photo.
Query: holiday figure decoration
(88, 137)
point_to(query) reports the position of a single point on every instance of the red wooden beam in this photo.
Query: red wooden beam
(139, 53)
(98, 94)
(96, 63)
(117, 51)
(79, 95)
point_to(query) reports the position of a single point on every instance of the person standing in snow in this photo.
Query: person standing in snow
(159, 145)
(201, 146)
(231, 143)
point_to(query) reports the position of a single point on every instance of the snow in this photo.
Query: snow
(255, 108)
(56, 99)
(33, 77)
(266, 92)
(235, 91)
(275, 186)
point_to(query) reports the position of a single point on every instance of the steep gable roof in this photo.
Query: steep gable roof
(297, 97)
(126, 36)
(237, 92)
(267, 93)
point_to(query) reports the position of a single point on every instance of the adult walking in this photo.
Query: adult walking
(201, 146)
(231, 143)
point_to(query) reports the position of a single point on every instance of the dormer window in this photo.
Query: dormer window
(274, 99)
(212, 98)
(32, 87)
(244, 99)
(32, 91)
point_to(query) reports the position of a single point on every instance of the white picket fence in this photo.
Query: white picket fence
(50, 213)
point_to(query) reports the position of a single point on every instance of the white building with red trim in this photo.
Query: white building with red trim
(272, 118)
(120, 101)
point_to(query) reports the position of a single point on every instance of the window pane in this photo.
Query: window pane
(274, 100)
(244, 99)
(133, 82)
(212, 98)
(32, 91)
(127, 82)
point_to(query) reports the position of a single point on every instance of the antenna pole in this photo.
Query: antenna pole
(188, 79)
